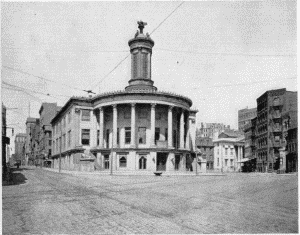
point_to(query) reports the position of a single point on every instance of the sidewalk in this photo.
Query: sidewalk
(134, 173)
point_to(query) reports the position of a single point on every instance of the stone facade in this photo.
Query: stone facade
(138, 129)
(228, 152)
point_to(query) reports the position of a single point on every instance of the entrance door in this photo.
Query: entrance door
(161, 161)
(177, 162)
(106, 162)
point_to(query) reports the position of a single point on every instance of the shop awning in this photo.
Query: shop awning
(244, 160)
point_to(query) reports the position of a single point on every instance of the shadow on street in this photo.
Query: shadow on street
(17, 177)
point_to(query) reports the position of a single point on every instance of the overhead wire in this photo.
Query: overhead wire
(244, 84)
(46, 79)
(227, 54)
(6, 83)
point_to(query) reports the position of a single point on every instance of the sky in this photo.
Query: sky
(221, 54)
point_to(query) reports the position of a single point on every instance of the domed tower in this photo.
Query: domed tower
(141, 52)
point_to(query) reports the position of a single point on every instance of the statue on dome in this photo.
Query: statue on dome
(141, 25)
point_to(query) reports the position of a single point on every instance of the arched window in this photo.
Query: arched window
(142, 163)
(123, 161)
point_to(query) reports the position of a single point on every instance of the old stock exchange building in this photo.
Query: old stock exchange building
(136, 130)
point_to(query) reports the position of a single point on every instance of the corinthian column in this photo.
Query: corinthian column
(170, 127)
(133, 125)
(152, 144)
(101, 127)
(182, 130)
(115, 125)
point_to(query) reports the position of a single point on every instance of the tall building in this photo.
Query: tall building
(138, 129)
(250, 146)
(245, 116)
(29, 149)
(47, 113)
(208, 129)
(269, 139)
(20, 141)
(290, 133)
(228, 152)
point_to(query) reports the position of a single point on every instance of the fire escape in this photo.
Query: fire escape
(276, 140)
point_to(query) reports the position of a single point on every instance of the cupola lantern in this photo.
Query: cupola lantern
(141, 52)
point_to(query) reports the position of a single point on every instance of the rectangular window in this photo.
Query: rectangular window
(86, 115)
(106, 162)
(142, 135)
(157, 133)
(231, 152)
(50, 142)
(218, 162)
(226, 151)
(64, 142)
(127, 135)
(174, 139)
(226, 161)
(69, 117)
(118, 136)
(85, 137)
(98, 137)
(107, 138)
(64, 121)
(69, 138)
(231, 162)
(166, 134)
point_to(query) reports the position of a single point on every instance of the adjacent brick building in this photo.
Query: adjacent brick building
(206, 147)
(47, 113)
(20, 141)
(245, 116)
(269, 138)
(30, 146)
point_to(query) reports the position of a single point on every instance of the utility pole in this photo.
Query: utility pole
(111, 152)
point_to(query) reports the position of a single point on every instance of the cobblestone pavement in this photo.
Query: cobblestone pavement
(45, 202)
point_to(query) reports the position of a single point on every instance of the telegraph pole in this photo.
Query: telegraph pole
(111, 152)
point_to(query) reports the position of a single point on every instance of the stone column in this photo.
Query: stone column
(170, 127)
(187, 139)
(181, 146)
(115, 125)
(94, 141)
(101, 127)
(152, 144)
(133, 126)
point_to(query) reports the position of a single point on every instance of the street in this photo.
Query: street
(45, 202)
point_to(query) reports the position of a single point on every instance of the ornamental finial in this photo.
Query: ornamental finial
(141, 25)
